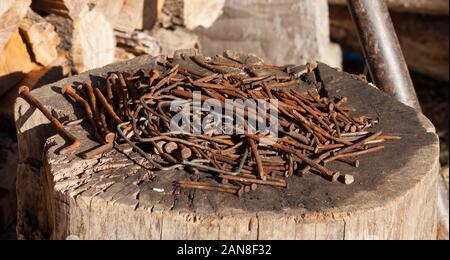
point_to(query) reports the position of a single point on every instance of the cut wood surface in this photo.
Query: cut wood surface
(113, 196)
(414, 6)
(11, 13)
(41, 38)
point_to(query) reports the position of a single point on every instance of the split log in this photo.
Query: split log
(5, 5)
(110, 9)
(41, 38)
(93, 43)
(138, 43)
(105, 198)
(150, 15)
(87, 36)
(11, 13)
(193, 13)
(439, 7)
(138, 14)
(128, 19)
(15, 62)
(66, 8)
(274, 31)
(123, 15)
(424, 39)
(88, 39)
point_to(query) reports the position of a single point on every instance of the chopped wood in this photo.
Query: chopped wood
(41, 38)
(11, 13)
(138, 43)
(193, 13)
(110, 9)
(66, 8)
(129, 16)
(150, 14)
(15, 62)
(138, 14)
(88, 39)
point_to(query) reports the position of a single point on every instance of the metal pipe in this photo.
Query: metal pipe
(382, 50)
(389, 71)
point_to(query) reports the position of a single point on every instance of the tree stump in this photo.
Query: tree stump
(113, 197)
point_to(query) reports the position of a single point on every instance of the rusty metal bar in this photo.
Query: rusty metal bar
(382, 50)
(389, 71)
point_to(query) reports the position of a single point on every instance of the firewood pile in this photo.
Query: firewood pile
(89, 34)
(308, 129)
(43, 41)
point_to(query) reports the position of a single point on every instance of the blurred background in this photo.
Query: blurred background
(42, 41)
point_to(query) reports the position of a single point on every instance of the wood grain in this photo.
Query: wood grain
(11, 13)
(394, 195)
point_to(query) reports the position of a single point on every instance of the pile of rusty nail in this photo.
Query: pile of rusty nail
(313, 130)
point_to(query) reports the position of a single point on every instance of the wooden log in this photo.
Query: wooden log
(66, 8)
(86, 34)
(5, 5)
(424, 39)
(93, 43)
(193, 13)
(15, 62)
(11, 13)
(439, 7)
(105, 198)
(88, 40)
(138, 14)
(41, 38)
(280, 32)
(128, 19)
(110, 9)
(150, 14)
(138, 43)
